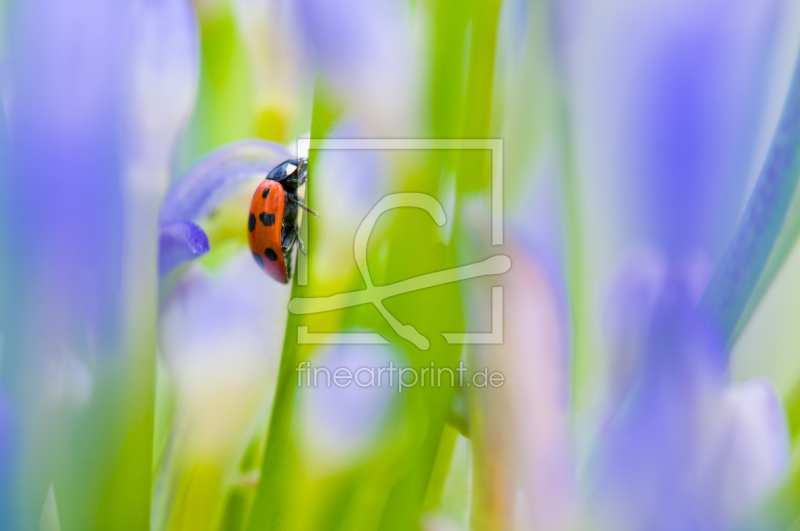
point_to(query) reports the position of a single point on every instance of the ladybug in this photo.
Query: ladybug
(272, 223)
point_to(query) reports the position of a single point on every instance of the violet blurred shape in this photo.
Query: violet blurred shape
(62, 219)
(347, 185)
(205, 186)
(340, 424)
(222, 344)
(639, 285)
(649, 449)
(680, 434)
(735, 280)
(537, 221)
(5, 258)
(217, 325)
(210, 313)
(221, 336)
(63, 189)
(752, 449)
(694, 134)
(365, 54)
(180, 242)
(214, 178)
(8, 435)
(675, 87)
(162, 80)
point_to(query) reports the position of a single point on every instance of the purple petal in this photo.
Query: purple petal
(162, 78)
(221, 336)
(640, 284)
(636, 291)
(365, 53)
(650, 453)
(340, 424)
(741, 269)
(348, 184)
(670, 96)
(180, 242)
(64, 189)
(751, 452)
(8, 446)
(206, 313)
(218, 175)
(63, 222)
(537, 220)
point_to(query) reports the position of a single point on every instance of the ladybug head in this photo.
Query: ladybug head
(291, 173)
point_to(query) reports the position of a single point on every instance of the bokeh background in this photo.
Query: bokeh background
(650, 341)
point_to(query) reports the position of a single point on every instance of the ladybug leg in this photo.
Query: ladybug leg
(304, 207)
(302, 246)
(289, 236)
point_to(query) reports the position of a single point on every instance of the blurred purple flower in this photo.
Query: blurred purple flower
(668, 95)
(670, 91)
(679, 433)
(63, 212)
(9, 433)
(639, 285)
(222, 344)
(365, 53)
(221, 337)
(650, 448)
(160, 84)
(96, 95)
(537, 222)
(64, 145)
(214, 178)
(340, 425)
(749, 451)
(180, 242)
(210, 182)
(347, 185)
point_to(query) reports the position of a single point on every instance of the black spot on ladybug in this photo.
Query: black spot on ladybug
(267, 219)
(259, 260)
(265, 193)
(270, 254)
(251, 222)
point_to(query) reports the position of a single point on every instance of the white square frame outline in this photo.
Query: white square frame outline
(495, 147)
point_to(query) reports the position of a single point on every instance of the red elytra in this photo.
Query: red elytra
(265, 223)
(272, 223)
